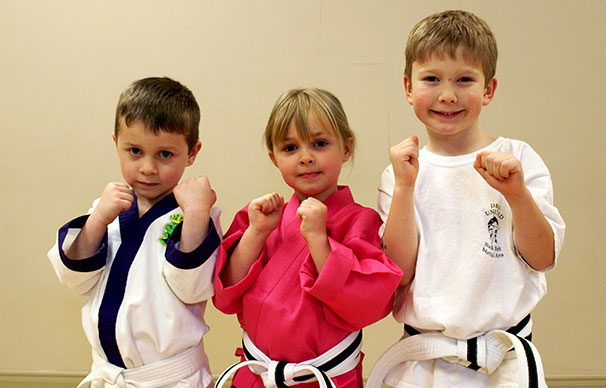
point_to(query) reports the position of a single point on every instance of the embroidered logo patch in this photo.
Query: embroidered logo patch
(491, 247)
(175, 220)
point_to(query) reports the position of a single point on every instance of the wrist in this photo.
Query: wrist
(257, 234)
(319, 237)
(403, 190)
(405, 180)
(196, 213)
(97, 222)
(519, 198)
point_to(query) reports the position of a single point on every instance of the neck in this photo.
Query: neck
(144, 204)
(320, 196)
(459, 145)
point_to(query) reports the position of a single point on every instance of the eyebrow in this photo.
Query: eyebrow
(313, 135)
(161, 147)
(129, 144)
(466, 69)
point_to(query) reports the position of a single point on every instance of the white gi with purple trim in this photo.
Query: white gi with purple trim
(146, 298)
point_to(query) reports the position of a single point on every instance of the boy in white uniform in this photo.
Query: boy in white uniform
(146, 252)
(469, 219)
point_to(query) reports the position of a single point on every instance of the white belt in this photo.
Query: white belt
(484, 353)
(156, 374)
(336, 361)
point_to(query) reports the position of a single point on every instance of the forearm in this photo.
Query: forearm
(319, 248)
(400, 241)
(533, 234)
(88, 241)
(242, 258)
(195, 228)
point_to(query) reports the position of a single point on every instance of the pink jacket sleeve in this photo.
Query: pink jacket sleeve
(358, 282)
(229, 299)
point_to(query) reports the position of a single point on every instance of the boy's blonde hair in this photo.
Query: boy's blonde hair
(162, 104)
(295, 106)
(444, 32)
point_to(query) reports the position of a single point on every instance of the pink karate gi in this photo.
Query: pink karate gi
(292, 314)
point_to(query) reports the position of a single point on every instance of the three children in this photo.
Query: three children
(468, 219)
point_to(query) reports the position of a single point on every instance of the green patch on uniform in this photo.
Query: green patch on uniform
(175, 220)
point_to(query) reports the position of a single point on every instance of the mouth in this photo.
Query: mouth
(309, 174)
(147, 185)
(447, 115)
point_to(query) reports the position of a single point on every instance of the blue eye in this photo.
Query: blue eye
(289, 148)
(431, 78)
(135, 151)
(466, 79)
(165, 154)
(320, 143)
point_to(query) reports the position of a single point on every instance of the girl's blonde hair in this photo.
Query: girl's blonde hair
(295, 106)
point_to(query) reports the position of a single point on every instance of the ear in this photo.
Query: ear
(114, 139)
(408, 89)
(273, 158)
(348, 146)
(491, 86)
(191, 157)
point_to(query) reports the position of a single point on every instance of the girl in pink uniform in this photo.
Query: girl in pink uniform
(305, 276)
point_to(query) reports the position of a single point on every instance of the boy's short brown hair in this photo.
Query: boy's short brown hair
(162, 104)
(444, 32)
(295, 106)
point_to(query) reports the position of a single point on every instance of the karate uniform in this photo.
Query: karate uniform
(470, 278)
(290, 312)
(146, 298)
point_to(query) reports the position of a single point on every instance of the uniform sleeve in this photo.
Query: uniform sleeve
(190, 275)
(538, 182)
(82, 275)
(358, 281)
(229, 299)
(385, 195)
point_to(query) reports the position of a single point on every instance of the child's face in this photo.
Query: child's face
(448, 94)
(152, 164)
(311, 167)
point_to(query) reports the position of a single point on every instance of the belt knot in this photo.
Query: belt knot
(279, 374)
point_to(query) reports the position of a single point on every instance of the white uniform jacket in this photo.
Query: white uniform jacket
(470, 278)
(146, 298)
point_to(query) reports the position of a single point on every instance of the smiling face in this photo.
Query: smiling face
(447, 95)
(311, 166)
(152, 164)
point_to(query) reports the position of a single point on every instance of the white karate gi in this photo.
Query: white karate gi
(146, 298)
(470, 278)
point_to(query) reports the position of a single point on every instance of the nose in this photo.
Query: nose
(448, 95)
(148, 166)
(307, 157)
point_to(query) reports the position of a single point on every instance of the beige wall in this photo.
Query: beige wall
(64, 63)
